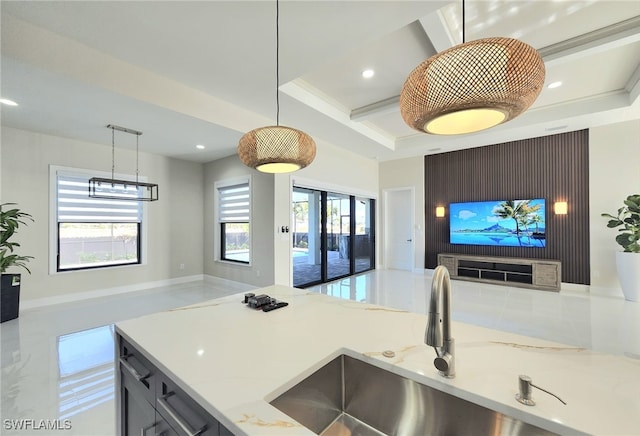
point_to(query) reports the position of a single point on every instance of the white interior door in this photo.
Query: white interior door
(399, 246)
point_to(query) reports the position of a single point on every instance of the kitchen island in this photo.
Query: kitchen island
(233, 360)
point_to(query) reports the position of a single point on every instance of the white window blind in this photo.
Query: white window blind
(234, 201)
(75, 205)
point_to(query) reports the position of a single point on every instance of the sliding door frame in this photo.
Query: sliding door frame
(324, 249)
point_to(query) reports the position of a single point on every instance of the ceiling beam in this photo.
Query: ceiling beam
(437, 31)
(615, 35)
(316, 99)
(382, 107)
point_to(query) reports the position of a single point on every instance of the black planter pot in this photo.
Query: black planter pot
(10, 297)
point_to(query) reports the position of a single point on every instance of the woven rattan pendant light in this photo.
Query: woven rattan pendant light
(276, 149)
(472, 86)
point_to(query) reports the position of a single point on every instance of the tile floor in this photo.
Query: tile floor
(57, 362)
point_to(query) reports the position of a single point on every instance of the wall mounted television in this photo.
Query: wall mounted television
(504, 223)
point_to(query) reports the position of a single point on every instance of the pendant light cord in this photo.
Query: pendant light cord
(463, 20)
(113, 153)
(277, 63)
(137, 136)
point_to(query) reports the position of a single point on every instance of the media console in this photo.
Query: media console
(527, 273)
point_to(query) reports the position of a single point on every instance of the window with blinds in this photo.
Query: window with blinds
(94, 232)
(234, 219)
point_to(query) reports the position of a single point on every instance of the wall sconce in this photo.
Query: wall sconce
(560, 207)
(440, 211)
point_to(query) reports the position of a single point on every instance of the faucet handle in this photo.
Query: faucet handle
(524, 396)
(445, 364)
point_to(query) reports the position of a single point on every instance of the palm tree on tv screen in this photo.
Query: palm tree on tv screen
(520, 211)
(535, 218)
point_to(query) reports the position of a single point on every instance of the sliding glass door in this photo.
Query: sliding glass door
(337, 234)
(307, 241)
(332, 236)
(363, 244)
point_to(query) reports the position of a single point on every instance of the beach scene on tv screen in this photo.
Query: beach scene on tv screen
(507, 223)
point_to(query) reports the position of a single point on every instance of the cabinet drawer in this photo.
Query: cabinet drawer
(182, 413)
(450, 263)
(137, 415)
(547, 275)
(139, 369)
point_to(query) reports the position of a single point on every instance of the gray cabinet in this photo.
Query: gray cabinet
(542, 274)
(137, 387)
(181, 412)
(139, 415)
(151, 403)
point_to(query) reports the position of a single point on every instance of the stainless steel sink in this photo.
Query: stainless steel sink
(350, 397)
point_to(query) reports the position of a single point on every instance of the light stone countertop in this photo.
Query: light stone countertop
(233, 360)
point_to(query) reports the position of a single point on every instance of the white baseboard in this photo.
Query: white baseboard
(97, 293)
(574, 287)
(598, 291)
(228, 284)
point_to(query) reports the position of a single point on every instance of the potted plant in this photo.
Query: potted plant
(628, 261)
(10, 221)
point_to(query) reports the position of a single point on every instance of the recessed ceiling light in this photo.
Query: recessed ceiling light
(8, 102)
(368, 73)
(200, 147)
(554, 85)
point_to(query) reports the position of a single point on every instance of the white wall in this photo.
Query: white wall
(260, 272)
(406, 173)
(181, 224)
(175, 224)
(335, 169)
(614, 174)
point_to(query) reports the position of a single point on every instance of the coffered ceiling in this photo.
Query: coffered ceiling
(203, 72)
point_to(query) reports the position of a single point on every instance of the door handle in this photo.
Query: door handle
(409, 240)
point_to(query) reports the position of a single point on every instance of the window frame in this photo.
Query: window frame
(94, 266)
(54, 237)
(219, 234)
(223, 244)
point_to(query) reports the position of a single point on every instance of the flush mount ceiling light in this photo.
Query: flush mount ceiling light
(276, 149)
(114, 189)
(472, 86)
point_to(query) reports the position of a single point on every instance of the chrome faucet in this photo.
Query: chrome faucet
(438, 332)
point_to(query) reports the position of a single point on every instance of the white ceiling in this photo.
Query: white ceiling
(203, 72)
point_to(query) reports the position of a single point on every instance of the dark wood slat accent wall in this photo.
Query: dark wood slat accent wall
(555, 168)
